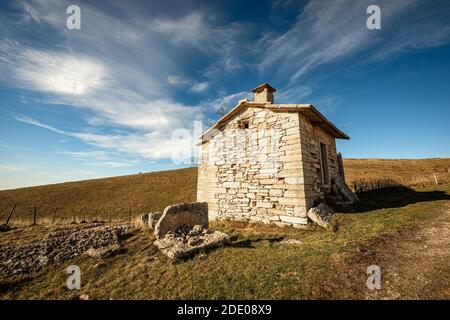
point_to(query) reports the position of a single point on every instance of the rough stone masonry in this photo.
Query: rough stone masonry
(268, 162)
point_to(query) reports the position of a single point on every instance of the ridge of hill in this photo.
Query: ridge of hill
(119, 197)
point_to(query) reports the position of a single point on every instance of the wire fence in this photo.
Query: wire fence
(360, 185)
(25, 215)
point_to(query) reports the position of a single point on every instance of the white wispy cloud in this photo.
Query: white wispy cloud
(59, 73)
(111, 164)
(178, 80)
(326, 33)
(30, 12)
(189, 84)
(100, 158)
(34, 122)
(224, 44)
(294, 94)
(123, 68)
(152, 145)
(200, 86)
(14, 167)
(120, 70)
(189, 29)
(328, 104)
(87, 155)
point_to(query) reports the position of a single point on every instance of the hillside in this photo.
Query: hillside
(263, 261)
(268, 262)
(98, 198)
(120, 197)
(413, 172)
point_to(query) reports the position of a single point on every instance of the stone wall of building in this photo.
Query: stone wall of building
(253, 170)
(311, 136)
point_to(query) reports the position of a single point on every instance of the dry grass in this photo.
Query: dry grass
(120, 197)
(403, 171)
(257, 266)
(364, 185)
(99, 199)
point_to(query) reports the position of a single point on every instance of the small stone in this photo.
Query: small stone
(103, 253)
(198, 228)
(143, 219)
(61, 245)
(153, 218)
(195, 241)
(84, 296)
(321, 215)
(291, 241)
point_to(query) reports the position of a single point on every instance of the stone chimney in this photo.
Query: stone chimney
(264, 93)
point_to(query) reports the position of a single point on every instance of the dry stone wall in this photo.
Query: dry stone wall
(253, 169)
(311, 136)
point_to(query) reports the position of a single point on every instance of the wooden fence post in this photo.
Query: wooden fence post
(73, 216)
(34, 216)
(435, 179)
(9, 217)
(54, 216)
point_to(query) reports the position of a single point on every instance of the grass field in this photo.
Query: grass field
(118, 197)
(258, 265)
(407, 171)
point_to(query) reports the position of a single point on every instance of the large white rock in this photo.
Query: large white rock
(178, 215)
(321, 215)
(184, 242)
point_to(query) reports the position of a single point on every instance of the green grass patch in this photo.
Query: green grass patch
(264, 268)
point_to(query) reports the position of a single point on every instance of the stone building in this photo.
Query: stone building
(268, 162)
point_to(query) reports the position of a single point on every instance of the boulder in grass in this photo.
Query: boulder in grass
(149, 219)
(184, 214)
(321, 215)
(153, 218)
(143, 219)
(183, 243)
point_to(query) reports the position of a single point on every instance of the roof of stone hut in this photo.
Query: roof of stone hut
(308, 110)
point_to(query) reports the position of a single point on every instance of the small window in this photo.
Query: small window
(324, 164)
(243, 124)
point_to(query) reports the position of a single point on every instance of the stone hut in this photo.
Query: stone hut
(268, 162)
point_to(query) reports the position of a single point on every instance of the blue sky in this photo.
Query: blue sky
(105, 100)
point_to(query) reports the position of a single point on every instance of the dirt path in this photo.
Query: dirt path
(414, 264)
(419, 266)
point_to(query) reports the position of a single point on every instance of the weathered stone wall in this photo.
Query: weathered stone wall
(253, 171)
(264, 166)
(311, 136)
